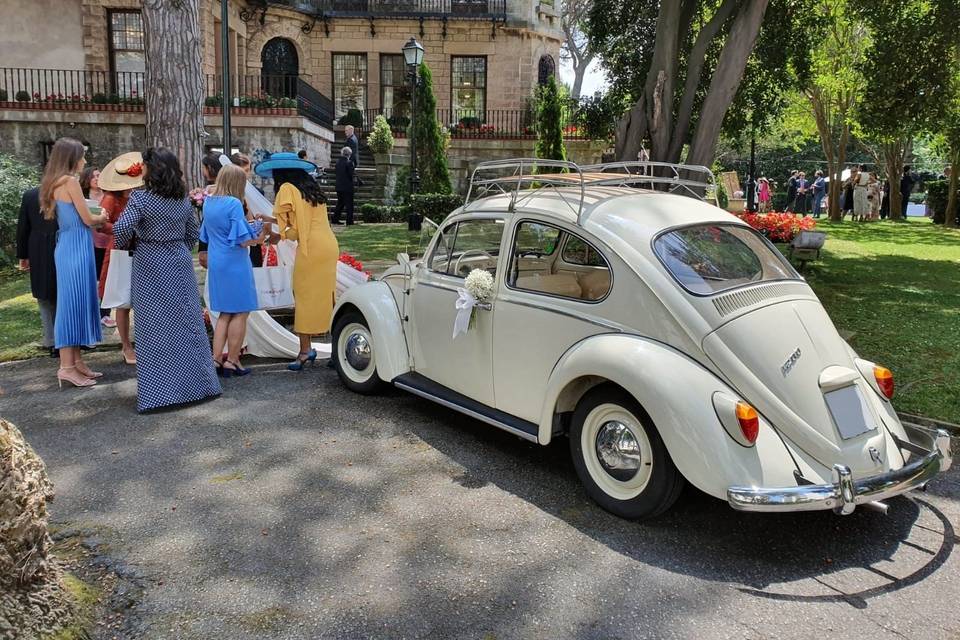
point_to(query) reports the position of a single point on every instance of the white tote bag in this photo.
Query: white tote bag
(116, 290)
(275, 284)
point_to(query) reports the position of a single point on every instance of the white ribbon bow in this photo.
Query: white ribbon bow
(465, 304)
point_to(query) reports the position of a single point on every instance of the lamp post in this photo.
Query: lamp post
(752, 178)
(413, 56)
(225, 70)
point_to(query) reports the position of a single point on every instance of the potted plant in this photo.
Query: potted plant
(4, 96)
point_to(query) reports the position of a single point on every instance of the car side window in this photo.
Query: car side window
(468, 245)
(582, 275)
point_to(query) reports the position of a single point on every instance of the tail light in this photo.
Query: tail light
(750, 421)
(884, 378)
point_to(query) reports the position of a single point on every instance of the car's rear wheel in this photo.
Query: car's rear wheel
(354, 356)
(620, 457)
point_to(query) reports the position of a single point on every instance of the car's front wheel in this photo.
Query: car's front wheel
(354, 356)
(620, 457)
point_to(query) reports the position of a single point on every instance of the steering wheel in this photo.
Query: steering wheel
(469, 252)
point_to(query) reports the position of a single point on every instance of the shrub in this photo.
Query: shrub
(398, 122)
(401, 190)
(380, 139)
(431, 160)
(354, 117)
(937, 193)
(373, 213)
(597, 116)
(99, 98)
(288, 103)
(435, 206)
(4, 96)
(549, 114)
(113, 99)
(22, 96)
(778, 227)
(15, 178)
(213, 101)
(470, 122)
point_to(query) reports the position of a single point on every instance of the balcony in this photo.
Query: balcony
(410, 9)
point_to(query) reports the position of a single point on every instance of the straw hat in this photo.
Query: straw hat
(123, 172)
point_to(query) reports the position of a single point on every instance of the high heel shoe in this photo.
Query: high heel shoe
(219, 367)
(65, 377)
(302, 359)
(84, 370)
(132, 362)
(235, 369)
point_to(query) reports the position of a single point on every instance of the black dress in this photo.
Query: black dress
(36, 241)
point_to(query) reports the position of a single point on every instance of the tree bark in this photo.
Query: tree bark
(895, 156)
(174, 81)
(726, 79)
(950, 220)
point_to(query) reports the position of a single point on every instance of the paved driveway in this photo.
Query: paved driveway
(291, 508)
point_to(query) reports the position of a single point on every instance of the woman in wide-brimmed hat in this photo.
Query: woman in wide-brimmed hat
(122, 175)
(301, 213)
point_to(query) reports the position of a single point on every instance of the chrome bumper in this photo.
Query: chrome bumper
(846, 492)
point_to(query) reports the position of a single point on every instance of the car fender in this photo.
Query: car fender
(676, 392)
(379, 308)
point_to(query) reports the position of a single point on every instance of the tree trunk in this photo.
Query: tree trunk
(175, 81)
(895, 155)
(580, 66)
(950, 220)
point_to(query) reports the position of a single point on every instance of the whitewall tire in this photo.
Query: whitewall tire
(354, 356)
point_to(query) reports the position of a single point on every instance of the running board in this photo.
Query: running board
(427, 388)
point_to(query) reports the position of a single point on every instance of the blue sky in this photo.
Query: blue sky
(592, 82)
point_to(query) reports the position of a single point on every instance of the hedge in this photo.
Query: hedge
(15, 178)
(373, 213)
(435, 206)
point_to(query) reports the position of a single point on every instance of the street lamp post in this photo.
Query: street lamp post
(413, 56)
(752, 178)
(225, 70)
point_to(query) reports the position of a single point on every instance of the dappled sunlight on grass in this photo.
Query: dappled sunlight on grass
(19, 318)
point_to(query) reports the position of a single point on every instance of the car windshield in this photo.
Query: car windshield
(706, 259)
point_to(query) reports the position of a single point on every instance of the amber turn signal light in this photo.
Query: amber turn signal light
(750, 421)
(884, 378)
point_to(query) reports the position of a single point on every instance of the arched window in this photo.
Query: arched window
(280, 67)
(546, 69)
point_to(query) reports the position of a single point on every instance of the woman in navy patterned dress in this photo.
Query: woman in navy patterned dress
(174, 363)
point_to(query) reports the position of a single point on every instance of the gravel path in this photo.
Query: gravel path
(291, 508)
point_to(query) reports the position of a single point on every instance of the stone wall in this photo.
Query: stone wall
(23, 132)
(58, 45)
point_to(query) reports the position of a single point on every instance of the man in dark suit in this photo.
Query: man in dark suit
(354, 143)
(345, 176)
(906, 187)
(791, 190)
(36, 241)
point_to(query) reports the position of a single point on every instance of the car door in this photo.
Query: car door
(464, 363)
(543, 310)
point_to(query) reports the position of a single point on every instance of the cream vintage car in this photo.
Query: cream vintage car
(666, 339)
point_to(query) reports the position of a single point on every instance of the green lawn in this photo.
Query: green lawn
(20, 332)
(379, 242)
(897, 286)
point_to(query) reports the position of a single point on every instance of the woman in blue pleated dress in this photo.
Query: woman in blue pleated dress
(174, 364)
(77, 320)
(233, 294)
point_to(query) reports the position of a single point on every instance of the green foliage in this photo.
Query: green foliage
(597, 115)
(398, 122)
(937, 199)
(549, 123)
(213, 101)
(15, 178)
(99, 98)
(435, 206)
(4, 96)
(378, 213)
(380, 139)
(354, 117)
(401, 189)
(22, 96)
(431, 157)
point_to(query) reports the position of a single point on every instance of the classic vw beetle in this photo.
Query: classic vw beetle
(666, 338)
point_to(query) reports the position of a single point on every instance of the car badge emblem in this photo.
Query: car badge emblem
(788, 365)
(875, 455)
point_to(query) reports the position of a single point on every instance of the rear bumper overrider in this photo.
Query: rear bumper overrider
(930, 454)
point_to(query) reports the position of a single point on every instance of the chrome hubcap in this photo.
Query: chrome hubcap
(358, 352)
(618, 450)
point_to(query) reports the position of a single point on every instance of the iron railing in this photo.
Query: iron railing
(475, 9)
(70, 87)
(480, 124)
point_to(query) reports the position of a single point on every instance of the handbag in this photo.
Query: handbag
(116, 289)
(275, 284)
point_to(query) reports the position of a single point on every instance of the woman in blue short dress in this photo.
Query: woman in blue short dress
(233, 294)
(174, 364)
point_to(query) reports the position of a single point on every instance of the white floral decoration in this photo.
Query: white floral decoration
(479, 284)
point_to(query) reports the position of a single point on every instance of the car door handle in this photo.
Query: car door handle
(484, 306)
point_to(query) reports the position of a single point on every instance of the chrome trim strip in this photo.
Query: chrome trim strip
(473, 414)
(846, 492)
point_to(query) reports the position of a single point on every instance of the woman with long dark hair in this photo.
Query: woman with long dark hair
(77, 322)
(174, 362)
(301, 212)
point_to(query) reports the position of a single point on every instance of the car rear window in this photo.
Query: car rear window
(706, 259)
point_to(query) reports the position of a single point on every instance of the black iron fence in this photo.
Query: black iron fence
(401, 8)
(474, 123)
(72, 87)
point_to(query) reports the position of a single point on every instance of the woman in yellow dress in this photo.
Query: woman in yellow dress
(301, 212)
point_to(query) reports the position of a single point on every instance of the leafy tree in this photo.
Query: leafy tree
(576, 47)
(835, 88)
(682, 66)
(431, 155)
(549, 118)
(919, 34)
(951, 136)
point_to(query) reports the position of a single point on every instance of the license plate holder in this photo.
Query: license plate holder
(850, 412)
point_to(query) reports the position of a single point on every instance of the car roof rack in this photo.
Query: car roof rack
(521, 178)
